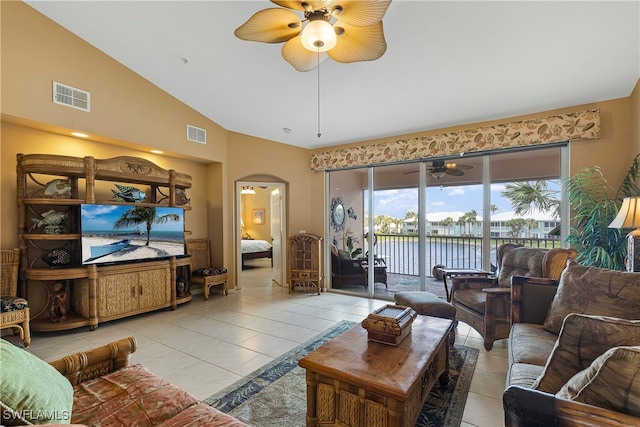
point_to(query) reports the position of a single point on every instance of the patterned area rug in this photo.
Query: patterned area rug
(275, 395)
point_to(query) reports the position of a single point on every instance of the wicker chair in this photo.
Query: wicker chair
(484, 303)
(14, 312)
(202, 273)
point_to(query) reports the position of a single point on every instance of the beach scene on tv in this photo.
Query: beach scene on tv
(119, 233)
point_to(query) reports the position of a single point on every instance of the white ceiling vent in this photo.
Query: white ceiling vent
(71, 97)
(196, 134)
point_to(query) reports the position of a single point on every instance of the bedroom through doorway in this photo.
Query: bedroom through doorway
(259, 231)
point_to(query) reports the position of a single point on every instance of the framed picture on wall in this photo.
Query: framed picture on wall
(258, 216)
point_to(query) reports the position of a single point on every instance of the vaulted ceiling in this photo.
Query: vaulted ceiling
(447, 63)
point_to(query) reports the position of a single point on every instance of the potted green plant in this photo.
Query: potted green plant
(592, 210)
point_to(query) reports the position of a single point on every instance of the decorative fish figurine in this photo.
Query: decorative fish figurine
(128, 194)
(58, 189)
(181, 197)
(50, 218)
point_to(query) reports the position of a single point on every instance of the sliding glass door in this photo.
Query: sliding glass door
(407, 220)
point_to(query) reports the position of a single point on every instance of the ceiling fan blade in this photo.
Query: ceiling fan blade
(454, 172)
(299, 57)
(270, 26)
(464, 167)
(359, 43)
(360, 13)
(298, 5)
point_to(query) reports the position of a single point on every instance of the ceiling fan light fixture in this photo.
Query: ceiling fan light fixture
(438, 174)
(318, 36)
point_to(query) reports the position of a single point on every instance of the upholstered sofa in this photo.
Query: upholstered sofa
(95, 388)
(574, 349)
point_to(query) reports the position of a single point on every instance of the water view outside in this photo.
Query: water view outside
(400, 252)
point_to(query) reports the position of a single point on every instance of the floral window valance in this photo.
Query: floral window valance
(546, 130)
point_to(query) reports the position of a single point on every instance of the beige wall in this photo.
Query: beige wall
(635, 120)
(129, 116)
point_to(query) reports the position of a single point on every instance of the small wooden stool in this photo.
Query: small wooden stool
(428, 304)
(201, 271)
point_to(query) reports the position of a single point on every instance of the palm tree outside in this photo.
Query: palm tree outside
(144, 215)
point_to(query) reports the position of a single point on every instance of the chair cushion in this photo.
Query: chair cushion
(209, 271)
(426, 303)
(12, 304)
(520, 261)
(597, 291)
(530, 343)
(584, 338)
(523, 374)
(612, 381)
(473, 299)
(32, 391)
(131, 396)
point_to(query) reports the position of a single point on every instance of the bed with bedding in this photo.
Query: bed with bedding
(253, 249)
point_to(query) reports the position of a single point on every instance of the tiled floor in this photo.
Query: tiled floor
(205, 346)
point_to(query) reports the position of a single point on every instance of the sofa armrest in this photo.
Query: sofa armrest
(94, 363)
(525, 407)
(531, 298)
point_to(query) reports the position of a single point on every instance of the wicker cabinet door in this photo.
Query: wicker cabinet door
(117, 294)
(305, 263)
(154, 288)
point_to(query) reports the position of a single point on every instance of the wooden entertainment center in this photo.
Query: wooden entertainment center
(63, 293)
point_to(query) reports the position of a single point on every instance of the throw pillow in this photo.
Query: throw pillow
(611, 382)
(344, 254)
(583, 339)
(31, 390)
(592, 290)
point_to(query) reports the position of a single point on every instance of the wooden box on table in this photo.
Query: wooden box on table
(389, 324)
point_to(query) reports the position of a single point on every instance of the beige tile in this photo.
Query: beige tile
(483, 411)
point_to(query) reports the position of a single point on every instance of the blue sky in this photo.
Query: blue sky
(396, 203)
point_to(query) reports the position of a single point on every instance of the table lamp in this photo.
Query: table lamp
(629, 217)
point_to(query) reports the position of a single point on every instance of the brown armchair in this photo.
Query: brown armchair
(484, 303)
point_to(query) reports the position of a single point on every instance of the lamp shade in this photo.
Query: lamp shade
(318, 36)
(628, 215)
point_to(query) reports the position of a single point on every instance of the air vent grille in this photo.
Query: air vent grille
(196, 134)
(71, 97)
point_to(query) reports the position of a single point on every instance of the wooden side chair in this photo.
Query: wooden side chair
(14, 311)
(202, 273)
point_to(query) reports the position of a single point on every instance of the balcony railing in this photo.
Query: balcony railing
(400, 251)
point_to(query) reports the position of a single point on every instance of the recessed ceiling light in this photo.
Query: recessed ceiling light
(286, 130)
(157, 152)
(80, 134)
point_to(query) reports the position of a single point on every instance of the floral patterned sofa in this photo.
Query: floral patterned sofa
(96, 388)
(574, 349)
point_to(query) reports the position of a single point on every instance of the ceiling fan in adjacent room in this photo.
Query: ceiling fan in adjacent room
(439, 169)
(345, 30)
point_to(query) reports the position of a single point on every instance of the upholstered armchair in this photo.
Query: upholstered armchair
(346, 271)
(484, 303)
(14, 311)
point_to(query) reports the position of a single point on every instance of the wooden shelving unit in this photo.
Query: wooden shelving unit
(95, 293)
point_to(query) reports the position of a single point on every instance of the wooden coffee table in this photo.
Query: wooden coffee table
(355, 382)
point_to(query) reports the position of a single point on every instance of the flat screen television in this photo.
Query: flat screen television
(127, 233)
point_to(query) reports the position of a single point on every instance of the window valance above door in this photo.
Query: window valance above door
(545, 130)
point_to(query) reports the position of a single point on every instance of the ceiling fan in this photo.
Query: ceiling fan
(344, 30)
(439, 169)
